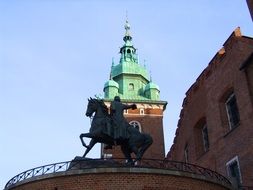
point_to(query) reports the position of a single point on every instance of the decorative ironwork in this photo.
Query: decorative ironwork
(119, 163)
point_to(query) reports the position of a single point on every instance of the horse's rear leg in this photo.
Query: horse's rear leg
(89, 147)
(127, 154)
(147, 143)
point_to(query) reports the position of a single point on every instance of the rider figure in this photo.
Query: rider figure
(119, 122)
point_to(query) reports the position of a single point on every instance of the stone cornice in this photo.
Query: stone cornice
(142, 103)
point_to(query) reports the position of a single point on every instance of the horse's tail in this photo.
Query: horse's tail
(148, 138)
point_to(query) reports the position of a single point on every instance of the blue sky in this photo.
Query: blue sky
(56, 54)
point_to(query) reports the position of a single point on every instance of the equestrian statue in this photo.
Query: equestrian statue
(113, 129)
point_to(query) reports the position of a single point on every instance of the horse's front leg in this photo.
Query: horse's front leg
(89, 147)
(81, 137)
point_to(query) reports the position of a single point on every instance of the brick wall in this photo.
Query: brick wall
(249, 74)
(205, 101)
(108, 180)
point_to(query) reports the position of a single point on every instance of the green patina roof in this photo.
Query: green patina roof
(129, 67)
(131, 78)
(111, 83)
(151, 85)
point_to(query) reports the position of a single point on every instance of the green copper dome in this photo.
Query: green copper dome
(129, 67)
(128, 78)
(111, 83)
(151, 85)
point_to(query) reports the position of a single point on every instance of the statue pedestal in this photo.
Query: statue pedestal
(83, 163)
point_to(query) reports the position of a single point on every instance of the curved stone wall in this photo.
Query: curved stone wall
(120, 178)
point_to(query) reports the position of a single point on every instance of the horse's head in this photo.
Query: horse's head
(91, 107)
(94, 105)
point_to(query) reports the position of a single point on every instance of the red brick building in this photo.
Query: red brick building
(215, 129)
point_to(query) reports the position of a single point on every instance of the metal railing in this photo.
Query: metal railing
(245, 188)
(119, 163)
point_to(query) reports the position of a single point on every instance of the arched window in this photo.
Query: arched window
(128, 51)
(205, 137)
(136, 125)
(131, 86)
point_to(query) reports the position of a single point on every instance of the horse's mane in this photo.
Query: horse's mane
(102, 104)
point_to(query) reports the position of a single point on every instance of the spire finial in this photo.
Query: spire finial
(127, 28)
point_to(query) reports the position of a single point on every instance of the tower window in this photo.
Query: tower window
(232, 111)
(136, 125)
(128, 51)
(131, 86)
(141, 111)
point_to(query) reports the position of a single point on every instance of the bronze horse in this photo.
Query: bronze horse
(101, 131)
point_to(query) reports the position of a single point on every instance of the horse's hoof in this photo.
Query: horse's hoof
(130, 163)
(86, 146)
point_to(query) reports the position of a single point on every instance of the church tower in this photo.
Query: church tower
(130, 81)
